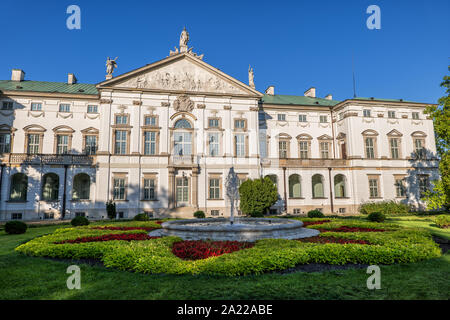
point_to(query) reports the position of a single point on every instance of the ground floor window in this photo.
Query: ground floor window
(215, 213)
(16, 216)
(373, 188)
(149, 189)
(119, 189)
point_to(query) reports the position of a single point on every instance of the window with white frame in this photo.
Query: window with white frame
(213, 123)
(16, 216)
(423, 185)
(394, 144)
(92, 108)
(302, 117)
(5, 142)
(304, 147)
(213, 141)
(400, 190)
(239, 124)
(391, 114)
(370, 147)
(373, 187)
(283, 149)
(239, 140)
(215, 213)
(281, 117)
(214, 188)
(415, 115)
(120, 142)
(119, 189)
(64, 107)
(36, 106)
(62, 144)
(33, 146)
(90, 145)
(121, 119)
(150, 143)
(324, 150)
(366, 113)
(149, 189)
(150, 121)
(419, 148)
(323, 119)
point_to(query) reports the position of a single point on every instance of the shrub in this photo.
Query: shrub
(15, 227)
(376, 217)
(199, 214)
(315, 214)
(443, 221)
(79, 221)
(257, 196)
(388, 208)
(111, 209)
(141, 217)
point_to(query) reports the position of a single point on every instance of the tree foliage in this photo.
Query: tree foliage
(256, 196)
(440, 195)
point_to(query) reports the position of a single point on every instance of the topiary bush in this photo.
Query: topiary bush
(141, 217)
(199, 214)
(111, 209)
(388, 208)
(376, 217)
(79, 221)
(442, 221)
(15, 227)
(315, 214)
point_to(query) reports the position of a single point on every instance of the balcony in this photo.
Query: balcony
(186, 160)
(49, 159)
(297, 162)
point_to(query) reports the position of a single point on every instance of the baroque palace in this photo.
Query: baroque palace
(162, 139)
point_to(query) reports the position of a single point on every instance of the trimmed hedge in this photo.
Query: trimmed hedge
(79, 221)
(388, 208)
(396, 245)
(141, 217)
(15, 227)
(199, 214)
(315, 214)
(376, 217)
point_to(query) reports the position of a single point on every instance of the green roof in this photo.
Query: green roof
(297, 100)
(44, 86)
(386, 100)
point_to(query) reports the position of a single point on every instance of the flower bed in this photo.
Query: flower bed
(124, 228)
(351, 229)
(110, 237)
(312, 223)
(197, 249)
(319, 239)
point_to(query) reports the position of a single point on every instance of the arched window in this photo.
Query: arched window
(339, 186)
(19, 186)
(273, 178)
(317, 186)
(182, 139)
(81, 187)
(295, 187)
(50, 187)
(183, 124)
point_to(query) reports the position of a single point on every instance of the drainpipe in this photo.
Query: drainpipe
(63, 209)
(1, 179)
(285, 193)
(331, 190)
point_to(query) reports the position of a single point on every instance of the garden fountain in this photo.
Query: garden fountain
(240, 229)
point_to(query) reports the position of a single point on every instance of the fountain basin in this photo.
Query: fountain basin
(243, 229)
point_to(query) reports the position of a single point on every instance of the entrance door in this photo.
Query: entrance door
(182, 192)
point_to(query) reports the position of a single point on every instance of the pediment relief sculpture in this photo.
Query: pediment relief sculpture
(183, 103)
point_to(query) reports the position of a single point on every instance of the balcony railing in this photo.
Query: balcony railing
(57, 159)
(297, 162)
(183, 160)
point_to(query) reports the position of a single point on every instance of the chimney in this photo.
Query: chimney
(329, 97)
(270, 90)
(71, 79)
(17, 75)
(311, 92)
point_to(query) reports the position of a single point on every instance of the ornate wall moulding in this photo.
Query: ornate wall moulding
(282, 123)
(64, 115)
(393, 121)
(106, 101)
(37, 114)
(165, 104)
(303, 124)
(226, 107)
(254, 109)
(417, 122)
(324, 125)
(380, 115)
(92, 117)
(368, 120)
(137, 103)
(201, 106)
(183, 103)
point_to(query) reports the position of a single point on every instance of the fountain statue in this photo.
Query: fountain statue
(232, 190)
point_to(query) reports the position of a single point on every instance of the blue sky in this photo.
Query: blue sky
(290, 44)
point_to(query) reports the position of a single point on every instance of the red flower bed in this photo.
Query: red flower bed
(110, 237)
(159, 222)
(125, 228)
(351, 229)
(318, 239)
(311, 223)
(198, 249)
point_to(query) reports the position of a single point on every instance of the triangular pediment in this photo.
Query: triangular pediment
(180, 73)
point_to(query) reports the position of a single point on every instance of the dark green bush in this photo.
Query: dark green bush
(141, 217)
(315, 214)
(443, 221)
(388, 208)
(15, 227)
(199, 214)
(376, 217)
(111, 209)
(79, 221)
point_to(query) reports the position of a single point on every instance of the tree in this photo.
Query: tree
(111, 209)
(257, 196)
(439, 196)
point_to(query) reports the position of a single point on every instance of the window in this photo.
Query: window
(7, 105)
(80, 214)
(283, 149)
(239, 124)
(183, 143)
(214, 188)
(215, 213)
(182, 190)
(339, 186)
(92, 108)
(49, 215)
(415, 115)
(150, 143)
(121, 119)
(303, 146)
(119, 189)
(36, 106)
(391, 114)
(120, 142)
(50, 187)
(366, 113)
(423, 185)
(302, 117)
(81, 187)
(324, 150)
(341, 210)
(183, 124)
(64, 107)
(33, 146)
(149, 189)
(16, 216)
(239, 141)
(419, 148)
(213, 139)
(62, 144)
(5, 142)
(394, 144)
(400, 190)
(281, 117)
(370, 147)
(297, 211)
(373, 187)
(317, 186)
(90, 146)
(323, 119)
(19, 187)
(150, 121)
(295, 188)
(213, 123)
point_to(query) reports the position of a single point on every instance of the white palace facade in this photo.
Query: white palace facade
(161, 140)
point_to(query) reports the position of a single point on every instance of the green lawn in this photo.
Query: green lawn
(38, 278)
(426, 222)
